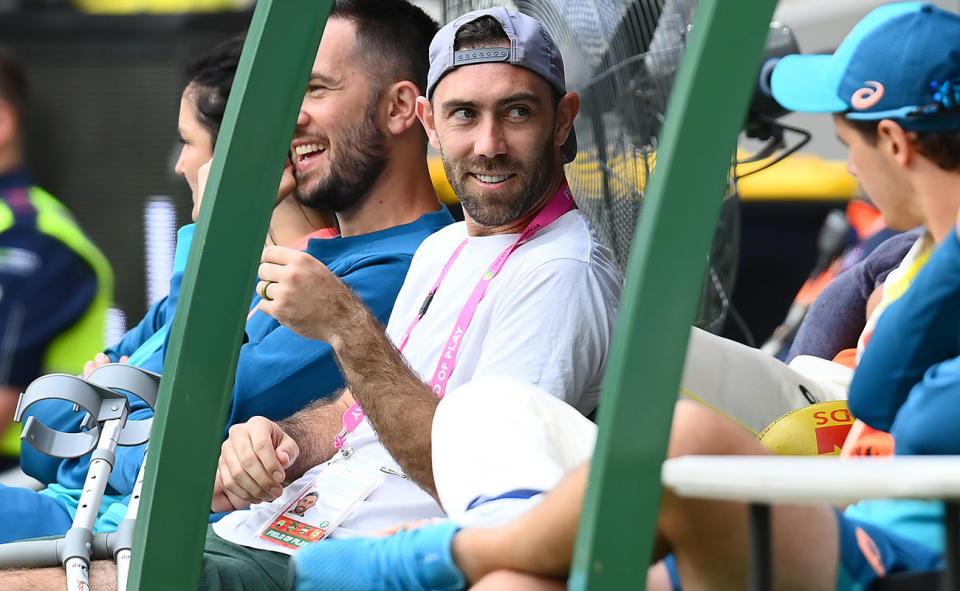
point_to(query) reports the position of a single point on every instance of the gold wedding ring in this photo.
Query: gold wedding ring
(263, 290)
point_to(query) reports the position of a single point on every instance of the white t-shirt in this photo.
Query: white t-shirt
(546, 320)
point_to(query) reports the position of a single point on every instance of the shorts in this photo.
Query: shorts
(233, 567)
(868, 552)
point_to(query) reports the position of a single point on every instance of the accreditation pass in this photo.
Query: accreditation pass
(319, 508)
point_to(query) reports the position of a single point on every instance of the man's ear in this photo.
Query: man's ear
(567, 110)
(425, 114)
(896, 143)
(401, 106)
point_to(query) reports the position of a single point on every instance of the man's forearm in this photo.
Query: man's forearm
(397, 402)
(309, 300)
(313, 429)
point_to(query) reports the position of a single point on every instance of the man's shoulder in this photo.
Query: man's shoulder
(398, 243)
(450, 234)
(568, 256)
(441, 243)
(569, 238)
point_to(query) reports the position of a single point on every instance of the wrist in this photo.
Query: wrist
(356, 331)
(473, 550)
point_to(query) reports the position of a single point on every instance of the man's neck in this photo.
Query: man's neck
(10, 160)
(520, 224)
(402, 194)
(939, 191)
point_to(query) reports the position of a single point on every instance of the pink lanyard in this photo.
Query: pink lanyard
(561, 203)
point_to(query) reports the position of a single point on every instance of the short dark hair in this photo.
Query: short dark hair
(393, 37)
(312, 493)
(487, 31)
(940, 147)
(13, 84)
(482, 32)
(209, 79)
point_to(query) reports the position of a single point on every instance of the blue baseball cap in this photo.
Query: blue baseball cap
(901, 62)
(531, 47)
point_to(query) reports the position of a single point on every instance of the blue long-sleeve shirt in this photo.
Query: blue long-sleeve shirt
(59, 414)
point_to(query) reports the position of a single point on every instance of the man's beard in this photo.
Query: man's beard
(360, 158)
(498, 208)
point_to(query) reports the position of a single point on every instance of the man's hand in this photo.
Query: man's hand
(99, 360)
(301, 293)
(203, 173)
(253, 463)
(287, 183)
(224, 500)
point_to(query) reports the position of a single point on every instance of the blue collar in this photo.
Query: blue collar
(15, 179)
(327, 250)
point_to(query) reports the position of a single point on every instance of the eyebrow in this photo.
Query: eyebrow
(322, 78)
(454, 104)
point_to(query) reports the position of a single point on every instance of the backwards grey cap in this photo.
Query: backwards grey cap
(531, 47)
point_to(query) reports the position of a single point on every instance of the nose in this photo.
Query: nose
(179, 166)
(302, 118)
(490, 141)
(850, 167)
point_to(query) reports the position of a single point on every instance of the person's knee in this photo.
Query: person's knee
(698, 430)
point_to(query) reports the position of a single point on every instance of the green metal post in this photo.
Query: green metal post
(705, 113)
(206, 335)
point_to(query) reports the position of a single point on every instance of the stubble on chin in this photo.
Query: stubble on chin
(498, 208)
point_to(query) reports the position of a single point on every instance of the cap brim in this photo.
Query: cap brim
(800, 83)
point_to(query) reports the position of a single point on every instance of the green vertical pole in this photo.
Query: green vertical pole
(664, 277)
(206, 334)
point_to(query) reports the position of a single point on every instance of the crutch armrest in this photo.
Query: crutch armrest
(138, 382)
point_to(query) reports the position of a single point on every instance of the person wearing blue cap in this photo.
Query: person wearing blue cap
(892, 87)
